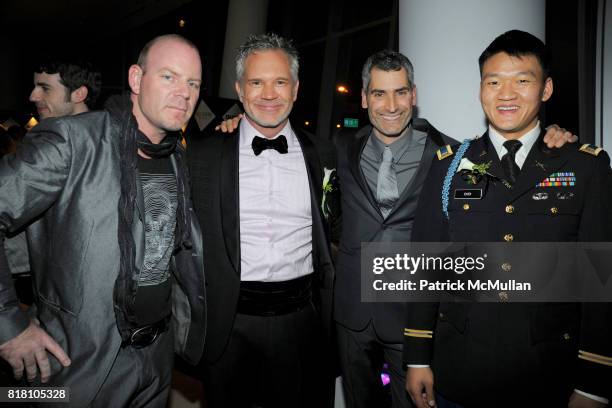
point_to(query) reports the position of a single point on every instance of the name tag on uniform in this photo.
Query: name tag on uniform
(468, 194)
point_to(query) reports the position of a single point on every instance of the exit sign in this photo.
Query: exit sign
(351, 123)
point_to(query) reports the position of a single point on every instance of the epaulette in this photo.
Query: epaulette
(444, 152)
(591, 149)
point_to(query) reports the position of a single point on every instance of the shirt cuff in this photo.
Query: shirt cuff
(417, 365)
(593, 397)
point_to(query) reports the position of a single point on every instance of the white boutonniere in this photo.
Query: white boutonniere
(474, 172)
(329, 186)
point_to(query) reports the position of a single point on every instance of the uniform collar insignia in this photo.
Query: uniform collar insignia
(540, 165)
(444, 152)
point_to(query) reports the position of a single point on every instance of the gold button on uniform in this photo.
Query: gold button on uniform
(506, 267)
(466, 206)
(508, 237)
(503, 296)
(566, 336)
(554, 210)
(509, 209)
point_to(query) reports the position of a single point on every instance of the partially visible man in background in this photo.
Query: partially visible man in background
(62, 87)
(65, 87)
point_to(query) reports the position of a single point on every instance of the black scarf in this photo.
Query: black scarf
(126, 127)
(157, 151)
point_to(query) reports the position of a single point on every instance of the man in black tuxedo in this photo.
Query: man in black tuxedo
(258, 195)
(514, 354)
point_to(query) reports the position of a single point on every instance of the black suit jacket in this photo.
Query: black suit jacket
(213, 163)
(516, 354)
(362, 221)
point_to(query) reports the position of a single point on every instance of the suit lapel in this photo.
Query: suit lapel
(314, 172)
(229, 188)
(433, 142)
(423, 126)
(355, 148)
(313, 166)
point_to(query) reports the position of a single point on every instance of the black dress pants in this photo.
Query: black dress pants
(362, 355)
(270, 362)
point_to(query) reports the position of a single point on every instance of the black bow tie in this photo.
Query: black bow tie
(260, 144)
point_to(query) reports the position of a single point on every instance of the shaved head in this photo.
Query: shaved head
(144, 53)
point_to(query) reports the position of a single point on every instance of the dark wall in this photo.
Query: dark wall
(570, 37)
(561, 39)
(111, 49)
(334, 38)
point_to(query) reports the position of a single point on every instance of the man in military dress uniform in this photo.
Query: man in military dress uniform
(514, 354)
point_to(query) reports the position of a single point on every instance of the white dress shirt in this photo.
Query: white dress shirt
(275, 210)
(527, 140)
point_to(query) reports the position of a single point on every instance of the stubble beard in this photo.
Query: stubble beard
(268, 125)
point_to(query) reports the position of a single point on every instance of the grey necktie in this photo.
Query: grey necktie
(386, 186)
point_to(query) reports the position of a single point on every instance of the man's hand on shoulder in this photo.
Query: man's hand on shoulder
(229, 125)
(29, 350)
(419, 384)
(557, 136)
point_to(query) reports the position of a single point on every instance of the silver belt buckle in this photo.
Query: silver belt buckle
(143, 331)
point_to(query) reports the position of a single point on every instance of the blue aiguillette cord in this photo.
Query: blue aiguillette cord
(451, 172)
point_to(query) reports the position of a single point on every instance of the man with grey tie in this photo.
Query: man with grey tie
(381, 170)
(389, 165)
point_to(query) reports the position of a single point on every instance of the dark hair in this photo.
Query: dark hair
(517, 43)
(266, 42)
(75, 73)
(386, 60)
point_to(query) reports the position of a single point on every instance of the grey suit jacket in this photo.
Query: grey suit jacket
(66, 177)
(362, 221)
